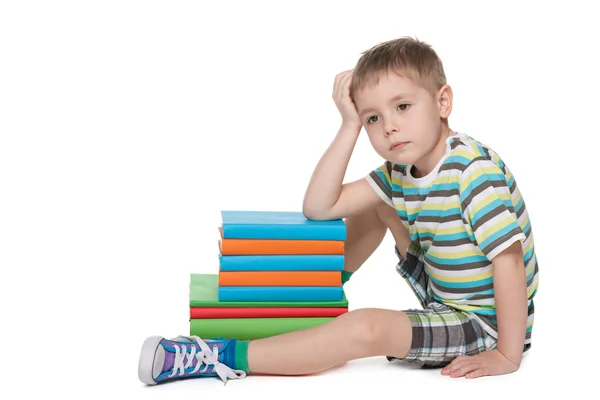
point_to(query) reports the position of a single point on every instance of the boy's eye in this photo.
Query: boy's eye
(401, 107)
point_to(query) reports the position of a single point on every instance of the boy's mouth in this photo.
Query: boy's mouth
(398, 145)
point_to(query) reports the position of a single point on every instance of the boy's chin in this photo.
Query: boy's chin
(403, 159)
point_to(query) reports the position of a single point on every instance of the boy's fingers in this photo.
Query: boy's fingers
(479, 372)
(464, 369)
(339, 82)
(339, 86)
(336, 83)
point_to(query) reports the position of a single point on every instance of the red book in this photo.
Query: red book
(265, 312)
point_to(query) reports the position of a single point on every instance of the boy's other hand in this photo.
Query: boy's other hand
(490, 362)
(345, 105)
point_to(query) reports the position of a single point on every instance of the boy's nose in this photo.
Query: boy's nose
(390, 129)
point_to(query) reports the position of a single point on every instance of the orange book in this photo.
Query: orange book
(280, 278)
(273, 246)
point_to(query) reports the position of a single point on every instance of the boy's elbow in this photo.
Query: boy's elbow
(315, 213)
(310, 213)
(320, 214)
(319, 210)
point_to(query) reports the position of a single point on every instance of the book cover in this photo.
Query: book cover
(251, 328)
(280, 278)
(204, 292)
(286, 262)
(240, 224)
(265, 312)
(280, 293)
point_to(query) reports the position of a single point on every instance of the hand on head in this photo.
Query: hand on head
(343, 101)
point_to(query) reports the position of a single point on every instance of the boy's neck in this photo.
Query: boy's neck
(426, 164)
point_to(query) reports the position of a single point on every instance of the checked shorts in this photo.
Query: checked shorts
(439, 333)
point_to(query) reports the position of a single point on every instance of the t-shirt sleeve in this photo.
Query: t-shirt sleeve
(487, 207)
(380, 180)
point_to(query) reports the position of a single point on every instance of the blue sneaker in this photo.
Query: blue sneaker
(163, 359)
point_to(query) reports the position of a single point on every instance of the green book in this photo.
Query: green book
(250, 328)
(204, 292)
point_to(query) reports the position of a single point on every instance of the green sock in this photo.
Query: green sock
(346, 276)
(241, 355)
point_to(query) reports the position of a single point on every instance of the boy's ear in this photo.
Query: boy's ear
(444, 99)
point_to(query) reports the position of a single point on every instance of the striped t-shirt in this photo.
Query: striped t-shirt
(462, 214)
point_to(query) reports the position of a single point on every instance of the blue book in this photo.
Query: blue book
(279, 225)
(280, 293)
(292, 262)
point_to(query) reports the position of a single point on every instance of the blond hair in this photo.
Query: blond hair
(405, 56)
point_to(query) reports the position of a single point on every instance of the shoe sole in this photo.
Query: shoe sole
(146, 362)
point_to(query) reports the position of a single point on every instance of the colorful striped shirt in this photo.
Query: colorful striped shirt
(462, 214)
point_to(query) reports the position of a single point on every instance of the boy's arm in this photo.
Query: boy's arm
(326, 196)
(510, 294)
(486, 206)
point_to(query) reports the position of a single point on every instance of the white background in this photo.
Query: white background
(127, 126)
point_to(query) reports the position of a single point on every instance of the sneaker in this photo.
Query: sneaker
(186, 357)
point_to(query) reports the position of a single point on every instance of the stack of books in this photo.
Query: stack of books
(278, 272)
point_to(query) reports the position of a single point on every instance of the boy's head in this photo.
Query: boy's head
(400, 92)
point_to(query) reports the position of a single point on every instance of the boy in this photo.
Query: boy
(461, 231)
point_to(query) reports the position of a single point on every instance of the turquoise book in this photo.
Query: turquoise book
(280, 293)
(279, 225)
(285, 262)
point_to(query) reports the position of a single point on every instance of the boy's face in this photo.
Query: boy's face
(404, 121)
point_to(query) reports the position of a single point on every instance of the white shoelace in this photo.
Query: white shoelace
(205, 357)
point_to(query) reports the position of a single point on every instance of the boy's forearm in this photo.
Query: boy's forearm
(510, 288)
(326, 182)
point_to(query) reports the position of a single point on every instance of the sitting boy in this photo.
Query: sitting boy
(462, 235)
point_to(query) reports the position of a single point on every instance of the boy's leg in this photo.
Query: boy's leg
(364, 233)
(389, 217)
(357, 334)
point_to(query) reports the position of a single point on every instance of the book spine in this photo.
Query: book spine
(280, 293)
(333, 262)
(265, 312)
(280, 278)
(281, 247)
(283, 231)
(251, 328)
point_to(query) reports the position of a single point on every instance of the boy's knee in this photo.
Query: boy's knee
(379, 331)
(389, 217)
(367, 327)
(372, 328)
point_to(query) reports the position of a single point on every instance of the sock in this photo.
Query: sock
(241, 356)
(346, 276)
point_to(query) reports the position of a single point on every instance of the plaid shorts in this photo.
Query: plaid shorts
(439, 333)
